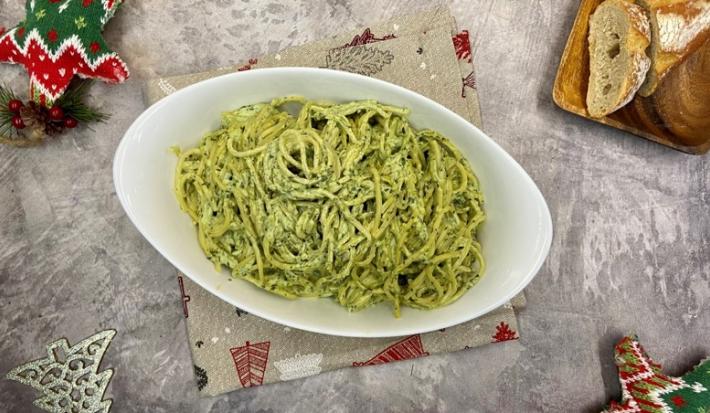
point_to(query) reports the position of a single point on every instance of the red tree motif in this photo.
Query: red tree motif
(250, 361)
(185, 297)
(408, 348)
(504, 333)
(367, 37)
(462, 45)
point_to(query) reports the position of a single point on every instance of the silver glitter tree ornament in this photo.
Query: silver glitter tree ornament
(68, 378)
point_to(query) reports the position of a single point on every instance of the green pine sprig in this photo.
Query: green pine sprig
(72, 103)
(6, 95)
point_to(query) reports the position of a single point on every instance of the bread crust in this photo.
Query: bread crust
(638, 41)
(683, 99)
(679, 28)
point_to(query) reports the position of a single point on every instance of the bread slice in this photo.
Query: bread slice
(619, 34)
(679, 28)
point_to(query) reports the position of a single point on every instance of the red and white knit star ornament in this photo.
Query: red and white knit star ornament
(60, 39)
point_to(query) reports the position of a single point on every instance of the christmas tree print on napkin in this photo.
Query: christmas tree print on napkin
(367, 37)
(462, 46)
(354, 57)
(251, 360)
(185, 297)
(504, 333)
(363, 60)
(408, 348)
(201, 377)
(299, 366)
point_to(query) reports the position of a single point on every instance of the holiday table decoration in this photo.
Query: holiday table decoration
(28, 124)
(645, 389)
(69, 378)
(58, 40)
(232, 349)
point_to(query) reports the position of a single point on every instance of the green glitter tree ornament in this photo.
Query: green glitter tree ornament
(68, 377)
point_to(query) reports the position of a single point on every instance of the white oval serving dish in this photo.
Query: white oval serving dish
(516, 236)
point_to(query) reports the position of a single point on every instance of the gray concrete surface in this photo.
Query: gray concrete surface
(631, 250)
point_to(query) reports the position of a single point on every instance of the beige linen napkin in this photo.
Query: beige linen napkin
(232, 349)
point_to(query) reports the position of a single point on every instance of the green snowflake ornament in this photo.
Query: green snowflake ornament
(68, 377)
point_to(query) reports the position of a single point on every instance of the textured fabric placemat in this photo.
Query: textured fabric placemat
(232, 349)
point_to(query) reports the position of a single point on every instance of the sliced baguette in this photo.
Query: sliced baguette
(619, 34)
(679, 28)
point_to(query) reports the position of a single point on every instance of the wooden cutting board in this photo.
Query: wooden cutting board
(677, 115)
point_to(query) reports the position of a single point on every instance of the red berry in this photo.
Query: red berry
(14, 105)
(56, 113)
(17, 122)
(70, 123)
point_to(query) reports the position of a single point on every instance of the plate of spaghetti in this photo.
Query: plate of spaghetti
(332, 202)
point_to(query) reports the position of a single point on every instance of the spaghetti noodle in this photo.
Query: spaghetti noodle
(342, 200)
